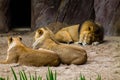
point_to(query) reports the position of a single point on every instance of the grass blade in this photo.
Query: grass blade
(47, 77)
(20, 74)
(39, 78)
(99, 77)
(15, 77)
(51, 75)
(82, 77)
(24, 75)
(35, 76)
(31, 77)
(55, 76)
(2, 78)
(7, 78)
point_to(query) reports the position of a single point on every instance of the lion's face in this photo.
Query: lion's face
(87, 38)
(40, 36)
(89, 26)
(43, 33)
(90, 32)
(13, 41)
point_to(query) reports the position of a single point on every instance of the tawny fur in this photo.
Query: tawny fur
(19, 53)
(91, 32)
(68, 34)
(68, 54)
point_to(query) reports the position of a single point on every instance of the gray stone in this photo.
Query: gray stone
(44, 12)
(108, 14)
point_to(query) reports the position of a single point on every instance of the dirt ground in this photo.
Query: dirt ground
(103, 59)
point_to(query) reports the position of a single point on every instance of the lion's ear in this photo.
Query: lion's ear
(40, 31)
(20, 38)
(10, 39)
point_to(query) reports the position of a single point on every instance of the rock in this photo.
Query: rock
(66, 11)
(56, 26)
(44, 12)
(108, 14)
(3, 15)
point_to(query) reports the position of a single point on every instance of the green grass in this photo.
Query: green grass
(49, 76)
(2, 78)
(23, 76)
(82, 77)
(99, 77)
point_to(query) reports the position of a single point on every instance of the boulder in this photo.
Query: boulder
(3, 15)
(108, 14)
(65, 11)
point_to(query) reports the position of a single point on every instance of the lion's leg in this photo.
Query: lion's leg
(95, 43)
(81, 39)
(86, 38)
(64, 36)
(3, 62)
(67, 37)
(10, 59)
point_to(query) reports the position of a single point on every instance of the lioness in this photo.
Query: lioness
(18, 53)
(91, 32)
(68, 34)
(68, 54)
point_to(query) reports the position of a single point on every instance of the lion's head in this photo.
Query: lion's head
(42, 34)
(13, 41)
(91, 32)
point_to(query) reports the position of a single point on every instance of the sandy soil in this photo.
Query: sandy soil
(103, 59)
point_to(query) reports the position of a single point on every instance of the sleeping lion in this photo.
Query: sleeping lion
(89, 33)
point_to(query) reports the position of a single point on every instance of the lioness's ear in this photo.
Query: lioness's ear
(10, 39)
(20, 38)
(40, 31)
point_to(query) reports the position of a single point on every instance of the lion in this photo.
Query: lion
(68, 34)
(18, 53)
(68, 54)
(91, 32)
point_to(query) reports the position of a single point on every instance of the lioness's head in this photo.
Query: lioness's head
(13, 41)
(44, 33)
(41, 35)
